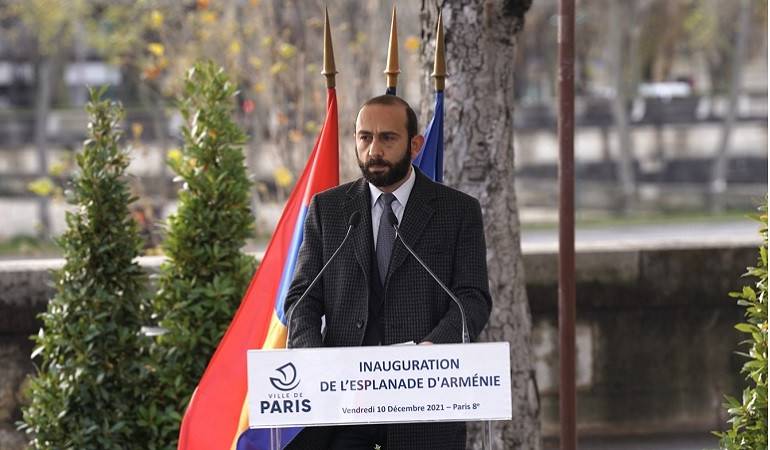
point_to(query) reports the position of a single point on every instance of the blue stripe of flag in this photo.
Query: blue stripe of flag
(289, 264)
(431, 157)
(259, 439)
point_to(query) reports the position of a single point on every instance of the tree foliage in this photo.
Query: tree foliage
(748, 417)
(206, 273)
(87, 393)
(46, 26)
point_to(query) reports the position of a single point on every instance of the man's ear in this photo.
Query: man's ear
(416, 145)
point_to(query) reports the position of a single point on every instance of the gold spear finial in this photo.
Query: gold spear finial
(439, 60)
(329, 70)
(392, 68)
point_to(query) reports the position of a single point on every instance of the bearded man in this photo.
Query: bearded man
(375, 293)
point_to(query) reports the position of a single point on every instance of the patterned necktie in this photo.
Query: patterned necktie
(385, 236)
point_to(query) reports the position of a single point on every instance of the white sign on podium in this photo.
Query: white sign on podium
(357, 385)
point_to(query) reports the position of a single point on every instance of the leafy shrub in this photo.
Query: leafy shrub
(206, 273)
(748, 417)
(91, 378)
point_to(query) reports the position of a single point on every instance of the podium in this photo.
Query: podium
(378, 385)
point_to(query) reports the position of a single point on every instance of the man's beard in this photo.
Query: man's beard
(395, 173)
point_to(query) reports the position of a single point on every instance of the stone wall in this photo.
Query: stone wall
(655, 336)
(24, 291)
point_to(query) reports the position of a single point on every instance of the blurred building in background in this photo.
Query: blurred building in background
(671, 107)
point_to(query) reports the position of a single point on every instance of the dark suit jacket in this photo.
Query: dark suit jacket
(443, 226)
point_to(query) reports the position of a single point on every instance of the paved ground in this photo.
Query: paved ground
(647, 235)
(618, 237)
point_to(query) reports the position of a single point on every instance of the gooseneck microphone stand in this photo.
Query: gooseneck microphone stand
(466, 338)
(394, 223)
(353, 221)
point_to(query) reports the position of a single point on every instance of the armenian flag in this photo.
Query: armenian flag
(217, 415)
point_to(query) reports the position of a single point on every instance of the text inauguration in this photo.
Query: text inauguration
(408, 364)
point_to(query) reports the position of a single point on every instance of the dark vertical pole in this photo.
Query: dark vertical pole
(566, 128)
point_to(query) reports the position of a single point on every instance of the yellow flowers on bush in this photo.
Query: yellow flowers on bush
(156, 19)
(234, 48)
(283, 177)
(277, 68)
(174, 155)
(156, 48)
(412, 44)
(287, 51)
(41, 186)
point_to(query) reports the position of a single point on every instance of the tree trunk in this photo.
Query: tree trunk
(478, 137)
(620, 24)
(251, 122)
(152, 102)
(718, 185)
(42, 110)
(357, 66)
(79, 92)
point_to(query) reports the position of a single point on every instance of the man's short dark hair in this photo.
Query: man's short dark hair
(393, 100)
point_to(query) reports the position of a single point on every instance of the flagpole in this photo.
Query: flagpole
(392, 68)
(439, 60)
(329, 71)
(566, 132)
(275, 439)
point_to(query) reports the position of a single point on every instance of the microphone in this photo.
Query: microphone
(394, 223)
(353, 222)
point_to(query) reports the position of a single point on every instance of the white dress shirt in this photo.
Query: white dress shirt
(398, 205)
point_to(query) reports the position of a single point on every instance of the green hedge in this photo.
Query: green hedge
(203, 280)
(748, 417)
(92, 374)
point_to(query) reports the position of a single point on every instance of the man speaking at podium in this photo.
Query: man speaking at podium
(375, 292)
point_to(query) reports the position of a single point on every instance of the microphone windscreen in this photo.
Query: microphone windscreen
(355, 219)
(392, 219)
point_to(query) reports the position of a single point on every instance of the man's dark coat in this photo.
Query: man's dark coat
(444, 227)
